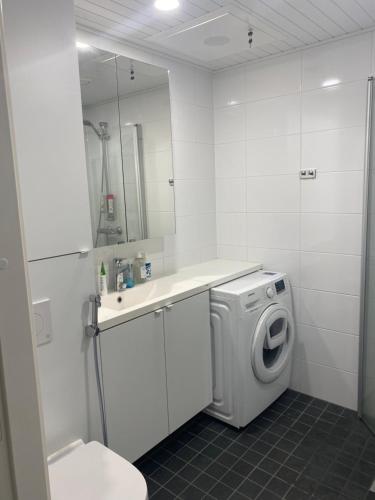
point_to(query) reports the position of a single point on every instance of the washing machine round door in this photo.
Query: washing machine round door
(272, 343)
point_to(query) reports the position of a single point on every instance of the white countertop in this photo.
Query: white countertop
(160, 292)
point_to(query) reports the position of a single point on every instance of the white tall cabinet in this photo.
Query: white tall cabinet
(156, 374)
(46, 104)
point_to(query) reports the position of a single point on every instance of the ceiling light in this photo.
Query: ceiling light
(83, 46)
(332, 81)
(166, 4)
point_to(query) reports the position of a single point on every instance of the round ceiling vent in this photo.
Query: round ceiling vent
(216, 41)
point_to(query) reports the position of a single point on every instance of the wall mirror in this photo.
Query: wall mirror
(127, 125)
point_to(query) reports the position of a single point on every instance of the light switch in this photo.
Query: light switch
(42, 321)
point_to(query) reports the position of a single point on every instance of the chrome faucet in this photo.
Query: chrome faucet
(121, 267)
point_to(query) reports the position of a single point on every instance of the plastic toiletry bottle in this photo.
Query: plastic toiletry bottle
(148, 270)
(103, 287)
(139, 268)
(129, 276)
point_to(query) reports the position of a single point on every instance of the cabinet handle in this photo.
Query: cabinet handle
(169, 307)
(158, 312)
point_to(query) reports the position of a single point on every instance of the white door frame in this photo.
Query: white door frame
(22, 447)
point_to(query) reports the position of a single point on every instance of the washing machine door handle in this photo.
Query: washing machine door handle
(276, 329)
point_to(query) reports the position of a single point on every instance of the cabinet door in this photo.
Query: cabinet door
(133, 366)
(188, 358)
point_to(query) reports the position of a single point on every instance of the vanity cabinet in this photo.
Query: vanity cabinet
(133, 369)
(156, 374)
(188, 358)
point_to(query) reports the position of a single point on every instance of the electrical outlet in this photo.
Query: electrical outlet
(307, 174)
(42, 321)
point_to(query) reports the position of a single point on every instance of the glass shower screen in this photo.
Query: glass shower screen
(367, 361)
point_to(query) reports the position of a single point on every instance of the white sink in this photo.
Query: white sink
(149, 292)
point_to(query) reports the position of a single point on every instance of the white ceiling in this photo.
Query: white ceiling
(284, 24)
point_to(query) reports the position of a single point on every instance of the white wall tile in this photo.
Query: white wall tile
(279, 77)
(277, 260)
(229, 87)
(326, 383)
(334, 107)
(183, 121)
(207, 230)
(334, 150)
(331, 311)
(230, 124)
(232, 252)
(326, 347)
(203, 126)
(193, 160)
(342, 61)
(203, 88)
(182, 83)
(333, 233)
(230, 195)
(310, 229)
(272, 117)
(230, 160)
(231, 229)
(279, 193)
(273, 155)
(331, 272)
(273, 230)
(187, 229)
(333, 192)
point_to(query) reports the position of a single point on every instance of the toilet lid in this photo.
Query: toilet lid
(93, 472)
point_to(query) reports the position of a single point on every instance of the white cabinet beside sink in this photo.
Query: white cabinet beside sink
(156, 374)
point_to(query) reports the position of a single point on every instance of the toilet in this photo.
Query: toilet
(93, 472)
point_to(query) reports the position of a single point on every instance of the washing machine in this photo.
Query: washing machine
(253, 334)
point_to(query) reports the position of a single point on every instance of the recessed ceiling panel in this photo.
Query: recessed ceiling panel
(207, 39)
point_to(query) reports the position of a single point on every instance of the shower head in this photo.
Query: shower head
(87, 123)
(102, 133)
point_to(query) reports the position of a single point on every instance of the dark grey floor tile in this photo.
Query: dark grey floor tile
(221, 491)
(287, 474)
(201, 461)
(192, 493)
(242, 467)
(163, 494)
(250, 489)
(260, 476)
(161, 475)
(189, 472)
(217, 470)
(268, 495)
(176, 484)
(212, 451)
(269, 465)
(174, 464)
(227, 459)
(205, 482)
(252, 456)
(278, 486)
(232, 479)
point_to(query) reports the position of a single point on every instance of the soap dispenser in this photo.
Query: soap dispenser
(139, 268)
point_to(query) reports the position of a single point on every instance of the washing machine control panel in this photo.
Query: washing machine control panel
(269, 292)
(280, 286)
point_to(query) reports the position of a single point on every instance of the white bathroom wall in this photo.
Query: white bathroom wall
(304, 110)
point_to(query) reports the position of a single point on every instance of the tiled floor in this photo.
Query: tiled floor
(299, 448)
